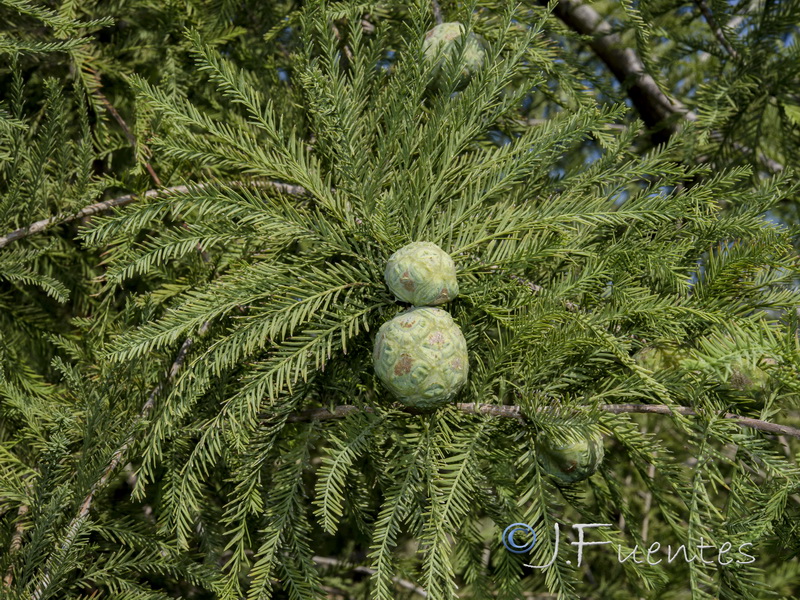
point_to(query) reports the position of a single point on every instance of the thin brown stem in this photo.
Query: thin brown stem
(712, 23)
(16, 542)
(125, 128)
(105, 205)
(334, 592)
(661, 409)
(437, 12)
(337, 34)
(515, 412)
(533, 287)
(539, 122)
(648, 497)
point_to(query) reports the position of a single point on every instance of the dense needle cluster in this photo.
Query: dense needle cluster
(197, 202)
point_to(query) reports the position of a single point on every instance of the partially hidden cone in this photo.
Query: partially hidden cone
(570, 462)
(745, 372)
(441, 45)
(421, 357)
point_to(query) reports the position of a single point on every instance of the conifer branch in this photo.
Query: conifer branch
(125, 128)
(770, 163)
(662, 409)
(99, 207)
(327, 561)
(16, 542)
(611, 126)
(334, 592)
(712, 23)
(323, 414)
(533, 287)
(371, 170)
(116, 459)
(655, 108)
(648, 496)
(515, 412)
(437, 12)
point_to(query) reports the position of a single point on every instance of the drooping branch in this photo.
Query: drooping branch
(116, 459)
(105, 205)
(125, 128)
(655, 108)
(515, 412)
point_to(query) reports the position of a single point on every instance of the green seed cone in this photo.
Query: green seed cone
(744, 373)
(749, 377)
(569, 463)
(422, 274)
(656, 359)
(441, 45)
(421, 357)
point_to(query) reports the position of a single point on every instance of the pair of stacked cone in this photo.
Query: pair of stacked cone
(420, 355)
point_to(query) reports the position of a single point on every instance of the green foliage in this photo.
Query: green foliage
(171, 362)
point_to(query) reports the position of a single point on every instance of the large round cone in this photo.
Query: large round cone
(421, 357)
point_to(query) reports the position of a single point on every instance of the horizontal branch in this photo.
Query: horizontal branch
(105, 205)
(333, 562)
(661, 409)
(515, 412)
(539, 122)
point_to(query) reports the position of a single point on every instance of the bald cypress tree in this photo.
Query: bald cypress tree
(198, 203)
